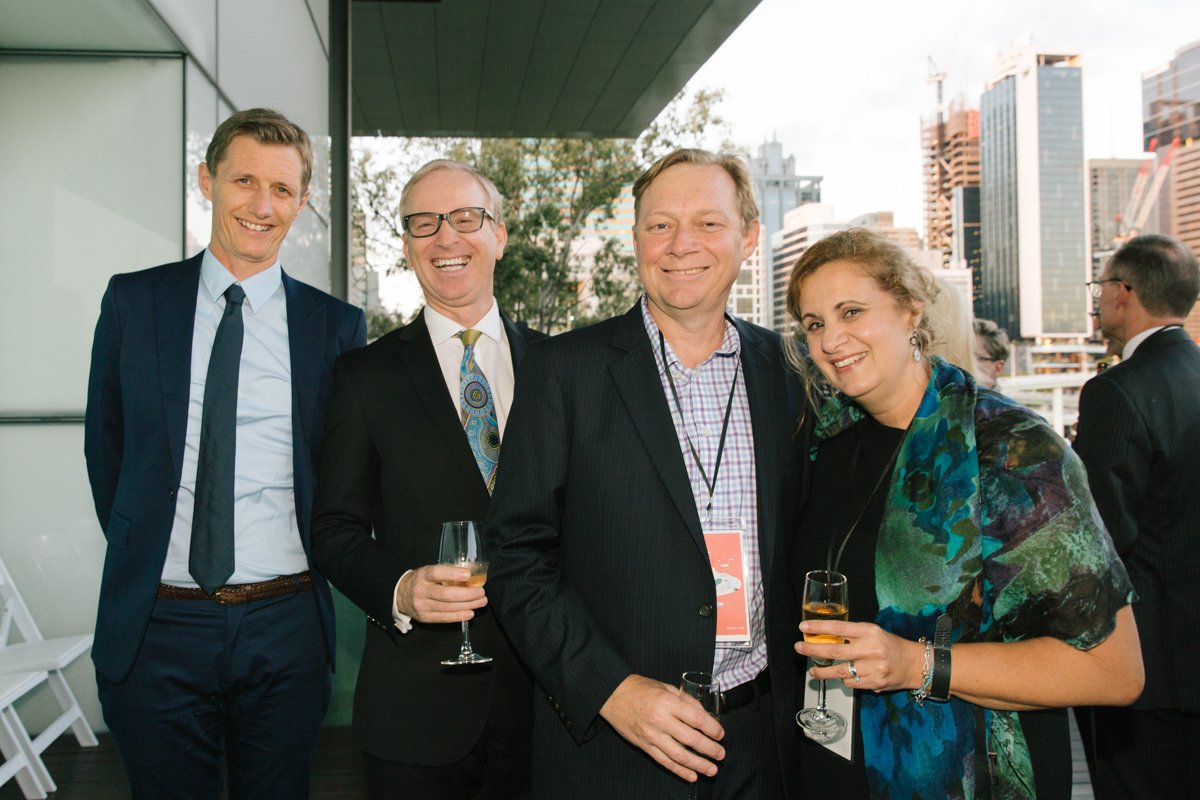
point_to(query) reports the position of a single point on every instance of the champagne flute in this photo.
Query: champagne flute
(462, 546)
(825, 598)
(705, 688)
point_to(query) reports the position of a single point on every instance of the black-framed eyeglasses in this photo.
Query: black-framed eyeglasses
(463, 220)
(1096, 286)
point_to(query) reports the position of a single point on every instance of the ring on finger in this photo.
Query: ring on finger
(853, 670)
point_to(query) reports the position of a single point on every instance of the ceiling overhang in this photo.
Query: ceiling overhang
(516, 68)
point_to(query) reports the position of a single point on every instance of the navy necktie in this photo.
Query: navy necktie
(210, 560)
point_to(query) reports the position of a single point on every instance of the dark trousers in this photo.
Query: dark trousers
(1141, 754)
(496, 768)
(751, 766)
(250, 682)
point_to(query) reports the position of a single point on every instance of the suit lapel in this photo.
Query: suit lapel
(306, 346)
(175, 309)
(421, 365)
(636, 377)
(760, 392)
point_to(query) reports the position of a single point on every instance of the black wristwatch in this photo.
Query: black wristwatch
(939, 689)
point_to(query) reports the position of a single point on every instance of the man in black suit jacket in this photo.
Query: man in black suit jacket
(1139, 437)
(398, 462)
(605, 557)
(186, 675)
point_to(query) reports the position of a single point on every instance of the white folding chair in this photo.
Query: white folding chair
(34, 653)
(20, 757)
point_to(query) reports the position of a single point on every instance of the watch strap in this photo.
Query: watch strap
(939, 688)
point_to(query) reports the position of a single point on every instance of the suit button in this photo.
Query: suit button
(171, 493)
(705, 610)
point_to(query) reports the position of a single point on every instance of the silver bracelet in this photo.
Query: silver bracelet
(926, 673)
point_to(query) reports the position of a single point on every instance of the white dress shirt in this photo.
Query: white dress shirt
(494, 359)
(266, 536)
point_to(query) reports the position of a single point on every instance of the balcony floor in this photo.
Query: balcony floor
(95, 773)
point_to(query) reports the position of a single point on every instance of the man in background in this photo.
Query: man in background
(209, 381)
(414, 440)
(1139, 437)
(991, 352)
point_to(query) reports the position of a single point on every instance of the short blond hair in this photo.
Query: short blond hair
(747, 207)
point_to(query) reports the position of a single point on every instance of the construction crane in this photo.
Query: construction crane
(1145, 193)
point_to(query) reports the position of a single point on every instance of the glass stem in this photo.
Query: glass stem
(466, 642)
(821, 698)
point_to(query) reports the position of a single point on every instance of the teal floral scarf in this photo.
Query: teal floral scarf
(988, 518)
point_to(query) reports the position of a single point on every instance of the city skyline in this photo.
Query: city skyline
(862, 132)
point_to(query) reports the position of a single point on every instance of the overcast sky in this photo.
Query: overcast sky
(843, 86)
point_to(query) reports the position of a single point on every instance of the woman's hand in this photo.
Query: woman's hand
(882, 661)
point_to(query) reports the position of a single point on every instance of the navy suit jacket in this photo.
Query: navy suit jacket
(1139, 437)
(598, 562)
(137, 420)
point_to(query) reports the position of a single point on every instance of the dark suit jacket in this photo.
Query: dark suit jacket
(599, 567)
(137, 421)
(1139, 437)
(397, 462)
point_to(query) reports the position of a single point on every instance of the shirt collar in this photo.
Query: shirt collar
(441, 328)
(731, 343)
(1134, 341)
(259, 288)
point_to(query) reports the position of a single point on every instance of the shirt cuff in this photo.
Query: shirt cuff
(403, 622)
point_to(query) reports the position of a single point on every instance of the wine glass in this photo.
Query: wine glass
(825, 597)
(705, 688)
(462, 546)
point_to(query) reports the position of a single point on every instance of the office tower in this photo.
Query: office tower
(748, 297)
(1111, 183)
(1171, 121)
(801, 227)
(884, 222)
(966, 240)
(778, 190)
(1032, 197)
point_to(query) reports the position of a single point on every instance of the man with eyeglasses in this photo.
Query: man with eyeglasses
(1139, 437)
(413, 438)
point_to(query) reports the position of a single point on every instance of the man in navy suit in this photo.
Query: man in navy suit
(206, 401)
(1139, 437)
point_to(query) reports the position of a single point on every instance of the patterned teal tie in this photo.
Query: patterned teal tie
(478, 411)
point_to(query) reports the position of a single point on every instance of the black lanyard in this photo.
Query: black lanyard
(710, 485)
(830, 561)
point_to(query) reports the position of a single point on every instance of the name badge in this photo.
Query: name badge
(726, 544)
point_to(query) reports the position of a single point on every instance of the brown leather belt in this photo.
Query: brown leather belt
(241, 592)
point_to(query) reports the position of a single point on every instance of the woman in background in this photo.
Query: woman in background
(936, 499)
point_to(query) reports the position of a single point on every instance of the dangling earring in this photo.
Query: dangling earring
(915, 341)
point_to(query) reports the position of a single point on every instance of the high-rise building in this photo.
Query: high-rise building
(1110, 187)
(801, 227)
(966, 240)
(1032, 197)
(1171, 120)
(1171, 99)
(778, 190)
(748, 297)
(884, 223)
(951, 161)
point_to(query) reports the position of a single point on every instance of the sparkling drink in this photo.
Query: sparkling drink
(824, 611)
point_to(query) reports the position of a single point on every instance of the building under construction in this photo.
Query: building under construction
(950, 145)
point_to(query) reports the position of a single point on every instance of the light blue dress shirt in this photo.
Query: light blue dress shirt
(266, 536)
